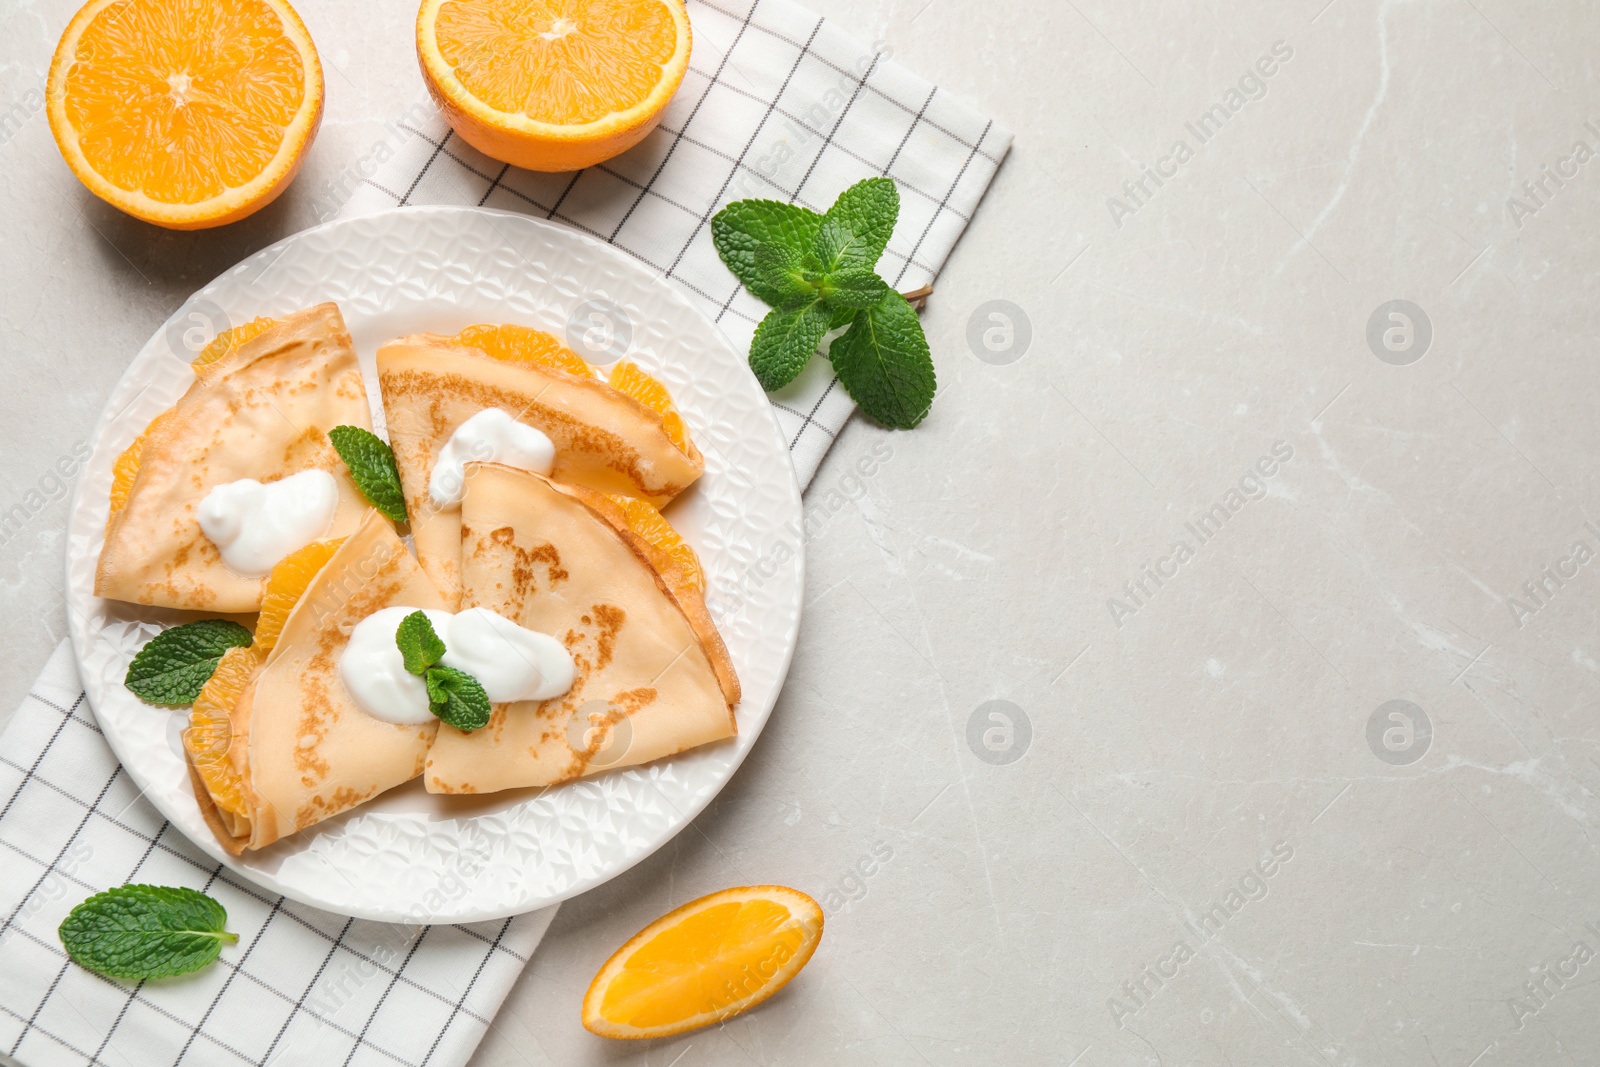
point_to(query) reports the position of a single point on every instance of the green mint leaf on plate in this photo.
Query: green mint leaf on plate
(852, 290)
(176, 664)
(856, 229)
(784, 342)
(744, 227)
(371, 464)
(884, 363)
(145, 931)
(419, 646)
(457, 698)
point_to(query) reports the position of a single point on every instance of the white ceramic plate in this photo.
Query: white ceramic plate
(409, 856)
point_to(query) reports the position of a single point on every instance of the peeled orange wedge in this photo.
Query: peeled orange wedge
(709, 960)
(185, 113)
(225, 342)
(627, 379)
(286, 584)
(524, 343)
(209, 735)
(553, 85)
(643, 519)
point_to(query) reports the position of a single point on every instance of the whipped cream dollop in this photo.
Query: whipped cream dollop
(489, 436)
(255, 525)
(511, 662)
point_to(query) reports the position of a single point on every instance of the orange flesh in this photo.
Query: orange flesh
(644, 520)
(627, 379)
(286, 585)
(707, 961)
(563, 62)
(524, 344)
(183, 100)
(210, 735)
(226, 341)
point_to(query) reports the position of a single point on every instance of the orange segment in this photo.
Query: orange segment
(627, 379)
(286, 585)
(709, 960)
(524, 344)
(185, 113)
(225, 342)
(126, 468)
(553, 85)
(209, 736)
(643, 519)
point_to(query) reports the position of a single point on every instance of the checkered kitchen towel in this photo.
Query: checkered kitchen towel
(777, 103)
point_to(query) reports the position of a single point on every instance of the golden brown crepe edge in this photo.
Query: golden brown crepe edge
(669, 578)
(598, 385)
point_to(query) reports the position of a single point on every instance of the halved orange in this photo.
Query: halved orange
(553, 85)
(226, 341)
(629, 380)
(524, 343)
(286, 584)
(706, 961)
(209, 735)
(185, 113)
(643, 519)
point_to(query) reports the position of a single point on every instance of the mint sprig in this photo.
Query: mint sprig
(818, 273)
(177, 663)
(145, 931)
(371, 464)
(457, 698)
(454, 696)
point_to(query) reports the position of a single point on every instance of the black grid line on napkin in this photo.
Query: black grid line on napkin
(111, 836)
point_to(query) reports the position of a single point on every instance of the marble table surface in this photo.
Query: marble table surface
(1267, 525)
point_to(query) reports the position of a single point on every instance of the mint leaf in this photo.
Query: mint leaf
(419, 646)
(744, 227)
(371, 464)
(784, 275)
(853, 289)
(176, 664)
(856, 229)
(784, 342)
(884, 363)
(145, 931)
(457, 698)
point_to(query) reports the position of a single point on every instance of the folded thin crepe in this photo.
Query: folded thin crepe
(301, 746)
(603, 439)
(653, 676)
(263, 411)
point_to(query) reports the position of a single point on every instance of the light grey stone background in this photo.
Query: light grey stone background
(1430, 894)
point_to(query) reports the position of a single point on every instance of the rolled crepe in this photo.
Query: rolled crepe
(263, 411)
(301, 746)
(603, 439)
(653, 676)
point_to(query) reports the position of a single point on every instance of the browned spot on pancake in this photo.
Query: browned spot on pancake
(319, 807)
(611, 619)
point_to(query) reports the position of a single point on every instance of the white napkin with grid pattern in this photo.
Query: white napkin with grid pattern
(777, 104)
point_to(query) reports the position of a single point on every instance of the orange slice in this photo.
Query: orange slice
(627, 379)
(286, 585)
(209, 736)
(709, 960)
(126, 469)
(553, 85)
(225, 342)
(643, 519)
(524, 344)
(185, 113)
